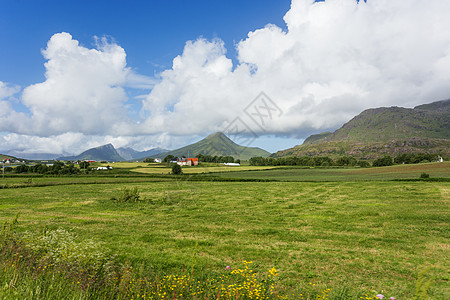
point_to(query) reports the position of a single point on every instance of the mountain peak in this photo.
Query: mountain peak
(216, 144)
(105, 152)
(216, 135)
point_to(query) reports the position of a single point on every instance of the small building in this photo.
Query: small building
(232, 164)
(187, 161)
(158, 160)
(104, 168)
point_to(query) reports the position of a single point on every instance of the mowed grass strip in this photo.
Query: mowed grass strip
(369, 236)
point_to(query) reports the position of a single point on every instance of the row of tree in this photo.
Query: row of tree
(217, 159)
(415, 158)
(58, 168)
(387, 160)
(305, 161)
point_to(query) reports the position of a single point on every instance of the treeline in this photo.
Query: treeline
(206, 158)
(58, 168)
(217, 159)
(316, 161)
(325, 161)
(415, 158)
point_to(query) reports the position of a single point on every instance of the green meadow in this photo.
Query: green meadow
(330, 233)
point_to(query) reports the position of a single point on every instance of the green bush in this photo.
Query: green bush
(128, 195)
(424, 175)
(176, 169)
(364, 164)
(384, 161)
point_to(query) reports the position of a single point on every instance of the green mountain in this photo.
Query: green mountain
(379, 131)
(216, 144)
(106, 152)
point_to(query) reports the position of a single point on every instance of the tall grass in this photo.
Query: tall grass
(55, 265)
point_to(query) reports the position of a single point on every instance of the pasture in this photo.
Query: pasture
(435, 170)
(361, 237)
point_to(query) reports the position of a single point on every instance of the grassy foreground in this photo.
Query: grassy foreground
(356, 238)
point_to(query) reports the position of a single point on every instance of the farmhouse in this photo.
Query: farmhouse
(187, 161)
(232, 164)
(104, 168)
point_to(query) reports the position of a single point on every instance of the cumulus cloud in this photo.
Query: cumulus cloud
(83, 91)
(7, 90)
(335, 59)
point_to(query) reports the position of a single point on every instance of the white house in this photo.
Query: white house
(158, 160)
(232, 164)
(103, 168)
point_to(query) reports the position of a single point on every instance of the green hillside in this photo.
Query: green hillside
(379, 131)
(216, 144)
(106, 152)
(3, 157)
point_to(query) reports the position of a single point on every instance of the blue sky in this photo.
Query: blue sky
(151, 32)
(142, 74)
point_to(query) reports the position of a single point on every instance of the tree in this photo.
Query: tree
(84, 165)
(363, 164)
(168, 158)
(384, 161)
(176, 170)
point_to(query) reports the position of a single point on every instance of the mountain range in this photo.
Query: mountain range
(216, 144)
(386, 130)
(109, 153)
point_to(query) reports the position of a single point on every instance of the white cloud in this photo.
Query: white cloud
(7, 90)
(336, 58)
(83, 91)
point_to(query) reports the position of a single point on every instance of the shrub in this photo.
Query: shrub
(60, 246)
(384, 161)
(128, 195)
(176, 169)
(424, 175)
(363, 164)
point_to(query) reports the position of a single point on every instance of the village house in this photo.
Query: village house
(187, 161)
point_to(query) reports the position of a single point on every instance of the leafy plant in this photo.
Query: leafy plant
(176, 169)
(128, 195)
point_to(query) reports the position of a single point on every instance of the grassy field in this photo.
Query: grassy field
(366, 237)
(159, 169)
(435, 170)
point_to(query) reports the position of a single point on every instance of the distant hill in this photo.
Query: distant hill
(378, 131)
(106, 152)
(131, 154)
(216, 144)
(4, 156)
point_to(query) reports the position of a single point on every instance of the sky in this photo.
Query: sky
(144, 74)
